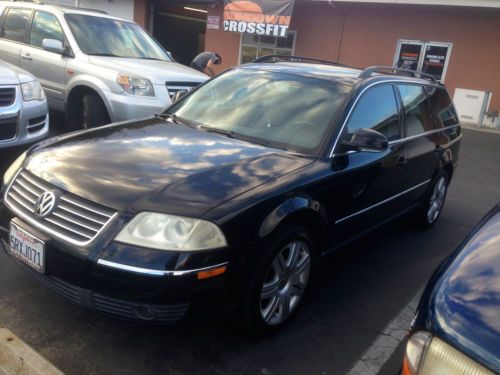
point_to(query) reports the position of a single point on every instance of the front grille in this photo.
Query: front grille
(7, 96)
(73, 219)
(8, 128)
(174, 87)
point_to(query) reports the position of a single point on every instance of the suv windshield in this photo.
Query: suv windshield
(278, 110)
(109, 37)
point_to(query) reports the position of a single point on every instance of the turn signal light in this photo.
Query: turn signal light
(211, 273)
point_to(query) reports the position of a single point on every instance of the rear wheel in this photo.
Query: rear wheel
(434, 201)
(281, 281)
(94, 112)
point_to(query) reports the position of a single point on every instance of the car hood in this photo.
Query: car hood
(155, 165)
(464, 305)
(13, 75)
(157, 71)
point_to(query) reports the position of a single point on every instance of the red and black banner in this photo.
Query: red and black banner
(261, 17)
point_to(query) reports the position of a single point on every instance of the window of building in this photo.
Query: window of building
(45, 26)
(418, 118)
(426, 57)
(15, 24)
(377, 109)
(254, 46)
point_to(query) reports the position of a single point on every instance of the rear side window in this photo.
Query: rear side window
(442, 108)
(15, 24)
(377, 110)
(45, 26)
(418, 118)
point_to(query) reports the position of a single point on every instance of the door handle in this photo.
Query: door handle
(27, 57)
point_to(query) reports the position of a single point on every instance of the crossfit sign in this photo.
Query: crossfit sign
(261, 17)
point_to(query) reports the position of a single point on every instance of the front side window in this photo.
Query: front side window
(100, 36)
(15, 24)
(255, 46)
(45, 26)
(442, 108)
(377, 110)
(275, 109)
(418, 118)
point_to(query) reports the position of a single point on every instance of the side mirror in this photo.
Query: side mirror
(53, 45)
(366, 140)
(178, 95)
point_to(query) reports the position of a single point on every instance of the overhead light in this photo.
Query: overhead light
(196, 10)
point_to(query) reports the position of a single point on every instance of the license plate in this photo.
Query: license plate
(27, 248)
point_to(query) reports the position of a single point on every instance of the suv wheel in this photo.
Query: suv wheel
(94, 112)
(434, 201)
(281, 282)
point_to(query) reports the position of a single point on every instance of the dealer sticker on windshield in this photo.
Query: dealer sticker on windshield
(27, 248)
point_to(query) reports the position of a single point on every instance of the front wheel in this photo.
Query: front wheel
(281, 281)
(434, 201)
(94, 112)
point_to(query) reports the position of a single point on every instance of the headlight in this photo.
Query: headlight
(14, 167)
(168, 232)
(135, 85)
(32, 91)
(426, 355)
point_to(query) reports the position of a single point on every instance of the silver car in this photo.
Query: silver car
(96, 68)
(24, 114)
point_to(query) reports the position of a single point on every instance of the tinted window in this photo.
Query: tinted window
(418, 117)
(442, 108)
(15, 24)
(377, 109)
(45, 26)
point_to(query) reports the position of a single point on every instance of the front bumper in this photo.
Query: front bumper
(114, 278)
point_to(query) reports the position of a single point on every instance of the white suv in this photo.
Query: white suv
(96, 68)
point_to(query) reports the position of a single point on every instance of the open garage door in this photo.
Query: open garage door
(180, 27)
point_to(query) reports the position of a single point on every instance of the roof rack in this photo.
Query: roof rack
(296, 59)
(368, 72)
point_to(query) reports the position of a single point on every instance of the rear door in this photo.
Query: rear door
(13, 30)
(421, 141)
(48, 67)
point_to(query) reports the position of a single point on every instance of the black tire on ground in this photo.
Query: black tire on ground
(429, 211)
(287, 289)
(94, 112)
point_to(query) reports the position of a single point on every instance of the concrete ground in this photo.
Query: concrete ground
(357, 293)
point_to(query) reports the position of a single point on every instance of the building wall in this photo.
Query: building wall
(367, 34)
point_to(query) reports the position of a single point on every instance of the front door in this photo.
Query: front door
(48, 67)
(13, 34)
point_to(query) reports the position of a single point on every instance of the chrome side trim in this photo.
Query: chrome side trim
(382, 202)
(430, 132)
(393, 81)
(152, 272)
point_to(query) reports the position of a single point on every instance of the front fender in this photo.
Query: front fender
(289, 208)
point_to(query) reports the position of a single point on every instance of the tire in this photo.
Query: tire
(280, 282)
(433, 203)
(94, 112)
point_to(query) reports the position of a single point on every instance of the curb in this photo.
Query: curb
(17, 357)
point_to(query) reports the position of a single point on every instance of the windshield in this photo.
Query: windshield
(279, 110)
(108, 37)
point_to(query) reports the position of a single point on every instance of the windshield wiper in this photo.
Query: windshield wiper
(104, 54)
(227, 133)
(178, 120)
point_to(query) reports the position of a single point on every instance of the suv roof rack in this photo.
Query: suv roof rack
(61, 6)
(297, 59)
(368, 72)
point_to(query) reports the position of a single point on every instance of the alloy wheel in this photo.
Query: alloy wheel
(437, 200)
(285, 283)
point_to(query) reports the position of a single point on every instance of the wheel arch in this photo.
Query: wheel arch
(80, 86)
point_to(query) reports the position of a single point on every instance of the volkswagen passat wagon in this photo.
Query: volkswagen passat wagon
(234, 192)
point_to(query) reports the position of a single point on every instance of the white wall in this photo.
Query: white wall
(117, 8)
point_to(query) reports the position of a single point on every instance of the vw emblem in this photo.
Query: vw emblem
(45, 204)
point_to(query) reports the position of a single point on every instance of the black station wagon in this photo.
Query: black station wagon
(234, 193)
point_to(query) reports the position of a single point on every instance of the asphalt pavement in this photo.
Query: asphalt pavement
(357, 293)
